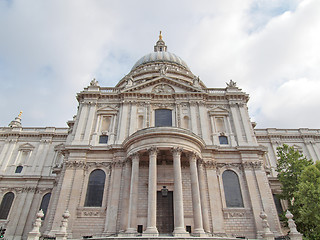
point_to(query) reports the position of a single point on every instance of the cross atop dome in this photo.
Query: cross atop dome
(160, 45)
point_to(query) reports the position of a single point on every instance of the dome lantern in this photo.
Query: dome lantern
(160, 45)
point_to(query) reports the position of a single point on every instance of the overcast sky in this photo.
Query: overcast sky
(50, 50)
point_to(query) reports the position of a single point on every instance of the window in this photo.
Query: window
(95, 189)
(19, 169)
(223, 140)
(278, 204)
(6, 205)
(45, 203)
(103, 139)
(232, 189)
(163, 118)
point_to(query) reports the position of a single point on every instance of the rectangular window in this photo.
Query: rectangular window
(163, 118)
(223, 140)
(103, 139)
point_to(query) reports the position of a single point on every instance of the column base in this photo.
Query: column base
(180, 232)
(131, 231)
(199, 233)
(151, 232)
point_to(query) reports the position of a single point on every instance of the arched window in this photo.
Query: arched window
(19, 169)
(163, 118)
(95, 189)
(6, 204)
(45, 203)
(232, 189)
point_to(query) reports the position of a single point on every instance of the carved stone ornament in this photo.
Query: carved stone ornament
(196, 82)
(75, 164)
(94, 83)
(232, 84)
(153, 150)
(252, 165)
(91, 213)
(237, 213)
(163, 69)
(210, 164)
(118, 163)
(163, 89)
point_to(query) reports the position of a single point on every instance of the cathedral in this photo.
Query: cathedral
(160, 154)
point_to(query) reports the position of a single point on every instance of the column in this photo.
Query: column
(196, 202)
(152, 194)
(114, 197)
(133, 200)
(204, 201)
(179, 228)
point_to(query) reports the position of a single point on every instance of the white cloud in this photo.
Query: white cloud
(50, 50)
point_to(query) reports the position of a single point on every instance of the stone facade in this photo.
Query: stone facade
(204, 139)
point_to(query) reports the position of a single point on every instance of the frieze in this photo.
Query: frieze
(25, 189)
(252, 165)
(210, 164)
(162, 105)
(229, 165)
(98, 164)
(75, 164)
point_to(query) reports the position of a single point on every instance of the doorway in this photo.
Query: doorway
(165, 219)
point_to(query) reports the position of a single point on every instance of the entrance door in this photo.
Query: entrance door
(165, 213)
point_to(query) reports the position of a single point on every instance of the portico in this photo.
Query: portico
(184, 151)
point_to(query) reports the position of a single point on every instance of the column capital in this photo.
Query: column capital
(192, 156)
(176, 150)
(134, 156)
(153, 150)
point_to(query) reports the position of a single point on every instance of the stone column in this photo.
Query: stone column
(114, 197)
(179, 228)
(152, 194)
(133, 201)
(204, 201)
(196, 202)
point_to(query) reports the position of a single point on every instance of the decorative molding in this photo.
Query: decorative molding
(163, 89)
(89, 212)
(19, 190)
(252, 165)
(209, 164)
(236, 213)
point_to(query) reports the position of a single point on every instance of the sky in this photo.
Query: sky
(50, 50)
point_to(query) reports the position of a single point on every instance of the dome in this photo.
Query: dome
(160, 54)
(160, 57)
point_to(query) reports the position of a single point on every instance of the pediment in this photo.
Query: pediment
(162, 85)
(108, 110)
(218, 111)
(26, 147)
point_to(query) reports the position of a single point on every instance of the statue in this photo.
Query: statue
(232, 84)
(196, 81)
(94, 83)
(163, 70)
(129, 81)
